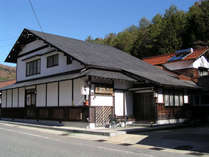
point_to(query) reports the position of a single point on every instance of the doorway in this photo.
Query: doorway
(30, 103)
(144, 108)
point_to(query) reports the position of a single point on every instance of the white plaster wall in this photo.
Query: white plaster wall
(52, 94)
(9, 98)
(201, 62)
(78, 98)
(129, 104)
(119, 100)
(3, 101)
(41, 95)
(21, 97)
(31, 46)
(65, 97)
(102, 100)
(15, 99)
(62, 66)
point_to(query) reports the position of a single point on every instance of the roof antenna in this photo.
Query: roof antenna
(36, 16)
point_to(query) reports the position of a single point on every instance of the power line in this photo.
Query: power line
(35, 15)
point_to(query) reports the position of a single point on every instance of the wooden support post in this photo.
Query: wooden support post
(46, 95)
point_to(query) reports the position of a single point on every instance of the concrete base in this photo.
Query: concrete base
(170, 121)
(76, 124)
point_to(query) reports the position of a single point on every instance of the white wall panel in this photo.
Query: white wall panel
(3, 101)
(52, 94)
(62, 66)
(101, 100)
(9, 98)
(21, 97)
(78, 97)
(15, 98)
(119, 100)
(65, 96)
(41, 95)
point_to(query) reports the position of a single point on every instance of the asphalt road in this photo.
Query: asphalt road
(18, 141)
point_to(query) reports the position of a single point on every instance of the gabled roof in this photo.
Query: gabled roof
(91, 54)
(162, 59)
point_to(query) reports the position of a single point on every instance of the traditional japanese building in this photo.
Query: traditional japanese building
(64, 79)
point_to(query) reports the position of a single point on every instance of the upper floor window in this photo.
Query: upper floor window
(69, 60)
(33, 67)
(52, 61)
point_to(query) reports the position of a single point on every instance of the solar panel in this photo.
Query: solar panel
(180, 54)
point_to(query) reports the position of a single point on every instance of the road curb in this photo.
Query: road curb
(92, 132)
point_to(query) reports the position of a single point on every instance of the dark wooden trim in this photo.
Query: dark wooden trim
(46, 95)
(72, 92)
(37, 49)
(36, 95)
(39, 55)
(58, 93)
(63, 73)
(18, 97)
(113, 99)
(12, 99)
(89, 81)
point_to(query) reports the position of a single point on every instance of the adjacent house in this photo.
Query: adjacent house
(189, 64)
(64, 79)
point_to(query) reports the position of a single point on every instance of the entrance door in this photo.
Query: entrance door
(30, 103)
(144, 108)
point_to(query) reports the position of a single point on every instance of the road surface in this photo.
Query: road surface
(16, 141)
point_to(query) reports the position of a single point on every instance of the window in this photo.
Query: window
(173, 100)
(166, 100)
(176, 98)
(203, 71)
(69, 60)
(52, 61)
(33, 67)
(30, 97)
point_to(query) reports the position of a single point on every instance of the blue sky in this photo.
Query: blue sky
(77, 18)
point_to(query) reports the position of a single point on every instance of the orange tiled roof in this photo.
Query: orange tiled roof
(157, 60)
(6, 83)
(197, 53)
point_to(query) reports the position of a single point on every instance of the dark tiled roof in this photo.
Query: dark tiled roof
(109, 57)
(62, 77)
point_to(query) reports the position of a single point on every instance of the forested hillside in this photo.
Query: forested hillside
(166, 33)
(7, 73)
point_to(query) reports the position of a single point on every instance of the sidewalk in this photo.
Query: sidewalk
(97, 131)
